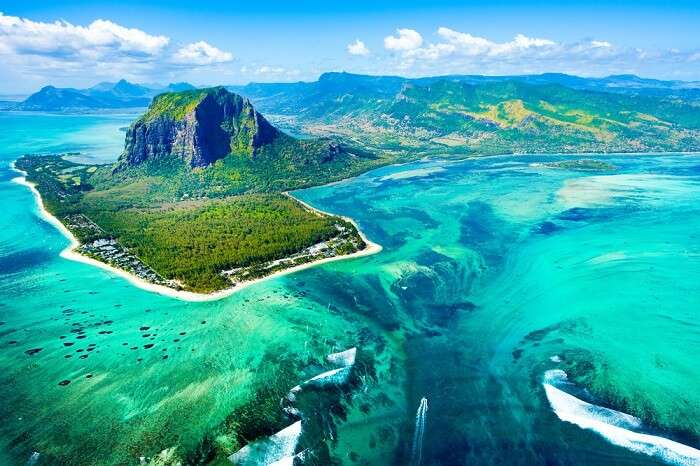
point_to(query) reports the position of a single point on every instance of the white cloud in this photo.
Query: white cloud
(99, 39)
(448, 51)
(406, 39)
(270, 70)
(358, 48)
(201, 53)
(60, 52)
(460, 43)
(461, 52)
(600, 43)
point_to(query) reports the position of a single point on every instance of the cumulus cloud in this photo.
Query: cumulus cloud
(62, 39)
(461, 43)
(404, 40)
(201, 53)
(358, 48)
(58, 51)
(448, 51)
(461, 52)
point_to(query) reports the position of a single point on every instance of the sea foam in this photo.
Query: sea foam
(616, 427)
(276, 449)
(344, 358)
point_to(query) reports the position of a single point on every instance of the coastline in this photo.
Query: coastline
(367, 241)
(70, 253)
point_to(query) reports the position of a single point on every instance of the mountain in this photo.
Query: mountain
(53, 98)
(211, 142)
(621, 84)
(200, 126)
(126, 89)
(178, 87)
(319, 98)
(486, 115)
(105, 95)
(341, 85)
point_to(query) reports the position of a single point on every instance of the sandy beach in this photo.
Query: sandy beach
(70, 253)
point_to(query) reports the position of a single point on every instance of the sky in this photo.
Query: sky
(78, 43)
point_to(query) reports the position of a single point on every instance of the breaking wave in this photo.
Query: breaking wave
(275, 449)
(616, 427)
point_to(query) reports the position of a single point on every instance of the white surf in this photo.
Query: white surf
(616, 427)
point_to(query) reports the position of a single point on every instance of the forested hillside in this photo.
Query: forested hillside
(487, 115)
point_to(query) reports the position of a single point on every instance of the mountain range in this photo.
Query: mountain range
(462, 114)
(488, 115)
(287, 96)
(105, 95)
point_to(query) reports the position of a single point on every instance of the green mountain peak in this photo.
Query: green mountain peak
(200, 126)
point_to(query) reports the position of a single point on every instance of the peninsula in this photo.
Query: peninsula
(197, 203)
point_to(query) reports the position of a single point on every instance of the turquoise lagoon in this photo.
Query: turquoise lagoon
(494, 272)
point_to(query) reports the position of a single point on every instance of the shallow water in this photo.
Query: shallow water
(493, 272)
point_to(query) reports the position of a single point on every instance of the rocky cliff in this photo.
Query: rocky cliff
(199, 126)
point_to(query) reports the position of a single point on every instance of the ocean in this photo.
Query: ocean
(517, 314)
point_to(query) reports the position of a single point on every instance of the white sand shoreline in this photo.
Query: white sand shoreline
(70, 253)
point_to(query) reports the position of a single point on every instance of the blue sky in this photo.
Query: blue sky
(78, 43)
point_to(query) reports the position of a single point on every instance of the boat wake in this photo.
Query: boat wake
(417, 450)
(616, 427)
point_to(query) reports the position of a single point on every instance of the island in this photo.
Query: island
(198, 201)
(580, 165)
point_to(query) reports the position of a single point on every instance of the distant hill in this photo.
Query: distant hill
(53, 98)
(336, 84)
(486, 115)
(178, 87)
(105, 95)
